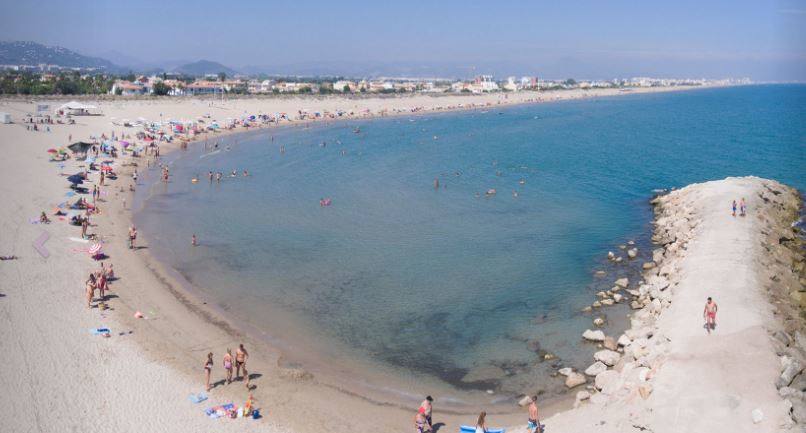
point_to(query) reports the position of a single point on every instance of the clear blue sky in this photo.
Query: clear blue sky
(763, 39)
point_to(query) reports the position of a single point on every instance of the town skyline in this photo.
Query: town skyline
(762, 41)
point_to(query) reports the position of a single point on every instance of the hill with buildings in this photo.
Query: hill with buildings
(38, 56)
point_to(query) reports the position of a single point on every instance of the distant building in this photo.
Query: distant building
(127, 88)
(204, 88)
(340, 85)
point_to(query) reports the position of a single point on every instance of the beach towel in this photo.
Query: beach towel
(100, 331)
(197, 398)
(219, 411)
(469, 429)
(83, 241)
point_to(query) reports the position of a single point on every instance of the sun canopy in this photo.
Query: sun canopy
(79, 147)
(75, 105)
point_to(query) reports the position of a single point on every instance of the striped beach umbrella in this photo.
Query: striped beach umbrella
(95, 249)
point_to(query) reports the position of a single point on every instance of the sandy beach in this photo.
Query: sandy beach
(139, 378)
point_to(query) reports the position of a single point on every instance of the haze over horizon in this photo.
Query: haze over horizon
(760, 40)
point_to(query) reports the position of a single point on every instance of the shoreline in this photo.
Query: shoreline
(291, 381)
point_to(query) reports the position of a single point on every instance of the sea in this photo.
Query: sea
(453, 251)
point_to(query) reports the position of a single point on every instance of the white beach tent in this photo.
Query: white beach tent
(5, 118)
(76, 108)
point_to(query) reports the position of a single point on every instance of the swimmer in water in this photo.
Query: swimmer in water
(193, 240)
(218, 177)
(234, 173)
(436, 183)
(245, 173)
(210, 175)
(282, 150)
(195, 179)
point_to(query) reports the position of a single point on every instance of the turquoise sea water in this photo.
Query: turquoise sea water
(438, 282)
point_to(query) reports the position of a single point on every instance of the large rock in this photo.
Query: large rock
(799, 411)
(648, 265)
(608, 302)
(617, 297)
(632, 253)
(583, 395)
(595, 369)
(565, 371)
(608, 357)
(593, 335)
(598, 322)
(574, 379)
(607, 380)
(610, 343)
(624, 340)
(623, 282)
(791, 369)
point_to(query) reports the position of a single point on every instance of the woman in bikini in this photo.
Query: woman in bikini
(90, 290)
(228, 365)
(208, 368)
(240, 363)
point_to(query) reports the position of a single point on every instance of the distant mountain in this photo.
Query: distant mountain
(32, 53)
(204, 67)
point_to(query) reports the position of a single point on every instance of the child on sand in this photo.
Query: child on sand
(734, 208)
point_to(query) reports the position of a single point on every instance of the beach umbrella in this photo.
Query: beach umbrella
(106, 168)
(95, 250)
(53, 151)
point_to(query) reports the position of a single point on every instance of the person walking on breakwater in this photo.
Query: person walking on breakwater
(425, 409)
(709, 313)
(734, 208)
(208, 368)
(240, 363)
(132, 236)
(533, 425)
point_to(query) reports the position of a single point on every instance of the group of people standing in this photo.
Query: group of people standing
(241, 355)
(742, 207)
(99, 280)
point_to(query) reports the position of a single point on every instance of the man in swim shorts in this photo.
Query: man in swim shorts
(533, 425)
(709, 313)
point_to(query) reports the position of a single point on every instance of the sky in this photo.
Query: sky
(761, 39)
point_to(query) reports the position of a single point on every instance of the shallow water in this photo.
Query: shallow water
(434, 282)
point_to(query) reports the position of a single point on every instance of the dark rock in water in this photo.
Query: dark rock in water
(484, 373)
